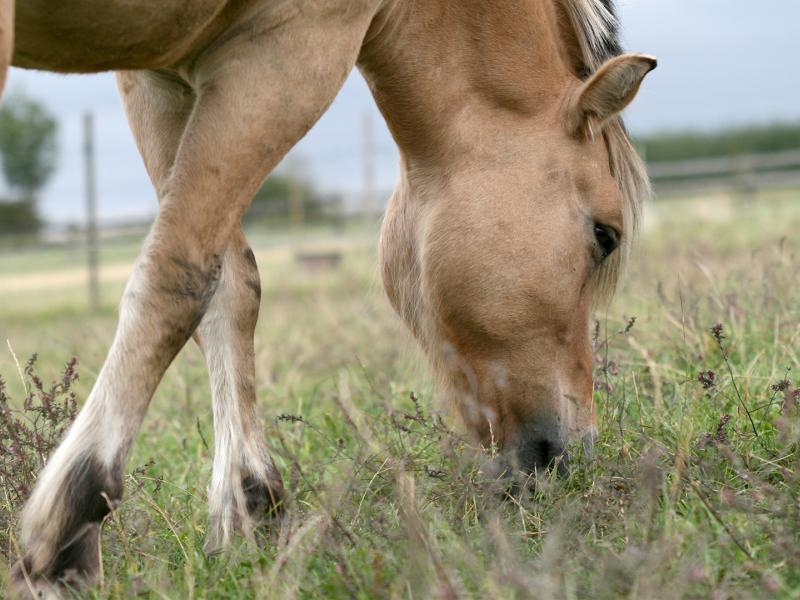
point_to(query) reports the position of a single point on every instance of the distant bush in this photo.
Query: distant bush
(28, 144)
(741, 140)
(272, 204)
(19, 217)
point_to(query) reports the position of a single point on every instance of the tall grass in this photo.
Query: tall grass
(691, 492)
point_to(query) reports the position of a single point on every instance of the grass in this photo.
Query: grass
(692, 491)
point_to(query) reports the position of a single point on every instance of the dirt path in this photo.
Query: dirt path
(118, 272)
(48, 280)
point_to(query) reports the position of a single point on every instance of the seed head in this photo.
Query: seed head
(708, 379)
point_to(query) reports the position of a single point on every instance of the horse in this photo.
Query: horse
(516, 206)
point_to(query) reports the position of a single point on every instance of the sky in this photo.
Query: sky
(721, 63)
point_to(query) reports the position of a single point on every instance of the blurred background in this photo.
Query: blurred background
(718, 124)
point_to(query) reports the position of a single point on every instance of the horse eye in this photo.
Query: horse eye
(607, 239)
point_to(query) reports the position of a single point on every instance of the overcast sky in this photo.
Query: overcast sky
(721, 62)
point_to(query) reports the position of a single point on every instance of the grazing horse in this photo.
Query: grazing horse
(518, 197)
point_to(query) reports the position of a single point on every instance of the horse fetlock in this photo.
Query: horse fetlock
(61, 524)
(243, 507)
(75, 567)
(264, 497)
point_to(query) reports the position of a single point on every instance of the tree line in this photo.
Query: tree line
(734, 141)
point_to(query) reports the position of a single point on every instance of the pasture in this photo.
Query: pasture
(692, 490)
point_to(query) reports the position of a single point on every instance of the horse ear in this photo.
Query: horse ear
(607, 92)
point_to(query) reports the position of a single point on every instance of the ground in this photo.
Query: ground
(692, 491)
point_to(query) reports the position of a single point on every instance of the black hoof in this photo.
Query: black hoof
(265, 500)
(76, 567)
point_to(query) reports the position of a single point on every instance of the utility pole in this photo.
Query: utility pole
(91, 212)
(297, 211)
(369, 168)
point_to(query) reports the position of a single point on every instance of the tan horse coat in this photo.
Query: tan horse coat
(517, 185)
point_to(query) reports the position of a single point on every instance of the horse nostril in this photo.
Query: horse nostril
(539, 454)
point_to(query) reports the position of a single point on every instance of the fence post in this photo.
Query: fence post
(91, 212)
(297, 211)
(368, 201)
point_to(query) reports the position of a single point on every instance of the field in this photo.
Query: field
(693, 490)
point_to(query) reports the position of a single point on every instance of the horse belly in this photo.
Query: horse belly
(101, 35)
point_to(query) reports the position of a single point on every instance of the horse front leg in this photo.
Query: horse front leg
(257, 94)
(245, 486)
(171, 288)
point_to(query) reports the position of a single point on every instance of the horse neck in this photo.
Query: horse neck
(443, 73)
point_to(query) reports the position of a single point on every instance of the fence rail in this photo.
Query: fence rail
(736, 174)
(745, 173)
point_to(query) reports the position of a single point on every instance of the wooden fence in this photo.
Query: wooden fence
(738, 174)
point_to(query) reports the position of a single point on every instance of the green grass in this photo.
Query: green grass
(69, 256)
(387, 500)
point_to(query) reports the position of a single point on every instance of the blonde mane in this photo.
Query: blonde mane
(595, 28)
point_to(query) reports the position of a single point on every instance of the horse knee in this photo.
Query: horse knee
(184, 273)
(168, 293)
